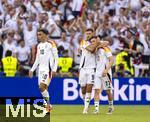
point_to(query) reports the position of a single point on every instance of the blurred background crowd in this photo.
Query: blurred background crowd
(124, 23)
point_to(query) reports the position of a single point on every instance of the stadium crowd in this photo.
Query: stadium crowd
(124, 23)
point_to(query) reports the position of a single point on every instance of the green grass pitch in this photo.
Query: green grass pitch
(73, 113)
(70, 113)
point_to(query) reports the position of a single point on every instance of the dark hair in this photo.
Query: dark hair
(8, 53)
(45, 31)
(21, 40)
(93, 37)
(24, 8)
(99, 37)
(90, 29)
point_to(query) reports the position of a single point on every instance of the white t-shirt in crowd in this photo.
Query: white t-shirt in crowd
(48, 25)
(77, 5)
(30, 37)
(143, 41)
(135, 4)
(133, 22)
(9, 46)
(119, 4)
(65, 44)
(23, 53)
(11, 24)
(11, 2)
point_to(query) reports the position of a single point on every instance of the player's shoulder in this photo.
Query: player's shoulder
(106, 49)
(52, 43)
(39, 44)
(83, 43)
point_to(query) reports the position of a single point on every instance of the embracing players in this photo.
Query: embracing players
(103, 75)
(87, 67)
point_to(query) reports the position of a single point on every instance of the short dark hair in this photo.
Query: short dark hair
(8, 53)
(45, 31)
(93, 37)
(24, 8)
(90, 29)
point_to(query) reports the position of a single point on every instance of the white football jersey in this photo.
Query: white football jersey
(102, 60)
(46, 57)
(87, 58)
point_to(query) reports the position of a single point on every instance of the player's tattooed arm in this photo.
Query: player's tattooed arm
(92, 47)
(95, 46)
(103, 44)
(111, 61)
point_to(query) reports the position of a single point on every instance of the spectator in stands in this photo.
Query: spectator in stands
(114, 20)
(22, 12)
(64, 42)
(9, 44)
(1, 49)
(137, 49)
(9, 64)
(124, 66)
(29, 33)
(76, 7)
(51, 26)
(65, 64)
(23, 56)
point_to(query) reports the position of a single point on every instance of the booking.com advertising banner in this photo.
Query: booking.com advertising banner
(67, 90)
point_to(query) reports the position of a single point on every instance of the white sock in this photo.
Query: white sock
(45, 95)
(87, 100)
(96, 104)
(110, 103)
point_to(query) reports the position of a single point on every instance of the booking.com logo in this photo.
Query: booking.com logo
(25, 108)
(129, 91)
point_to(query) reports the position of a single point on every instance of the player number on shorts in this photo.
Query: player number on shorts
(108, 85)
(44, 76)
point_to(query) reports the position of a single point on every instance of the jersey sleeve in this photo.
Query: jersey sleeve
(108, 52)
(55, 56)
(84, 44)
(36, 63)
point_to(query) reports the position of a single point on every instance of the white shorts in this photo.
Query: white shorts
(86, 76)
(103, 83)
(44, 77)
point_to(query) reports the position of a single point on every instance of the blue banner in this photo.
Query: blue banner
(67, 91)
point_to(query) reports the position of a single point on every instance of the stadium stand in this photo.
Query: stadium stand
(125, 24)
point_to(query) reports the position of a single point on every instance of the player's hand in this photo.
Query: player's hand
(53, 73)
(30, 74)
(104, 73)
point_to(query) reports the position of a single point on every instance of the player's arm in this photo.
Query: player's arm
(103, 44)
(55, 56)
(36, 63)
(110, 62)
(94, 46)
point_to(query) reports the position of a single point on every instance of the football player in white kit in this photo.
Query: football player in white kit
(47, 60)
(103, 76)
(87, 68)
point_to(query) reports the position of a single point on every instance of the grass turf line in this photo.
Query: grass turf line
(70, 113)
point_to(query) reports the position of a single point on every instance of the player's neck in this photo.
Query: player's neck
(44, 40)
